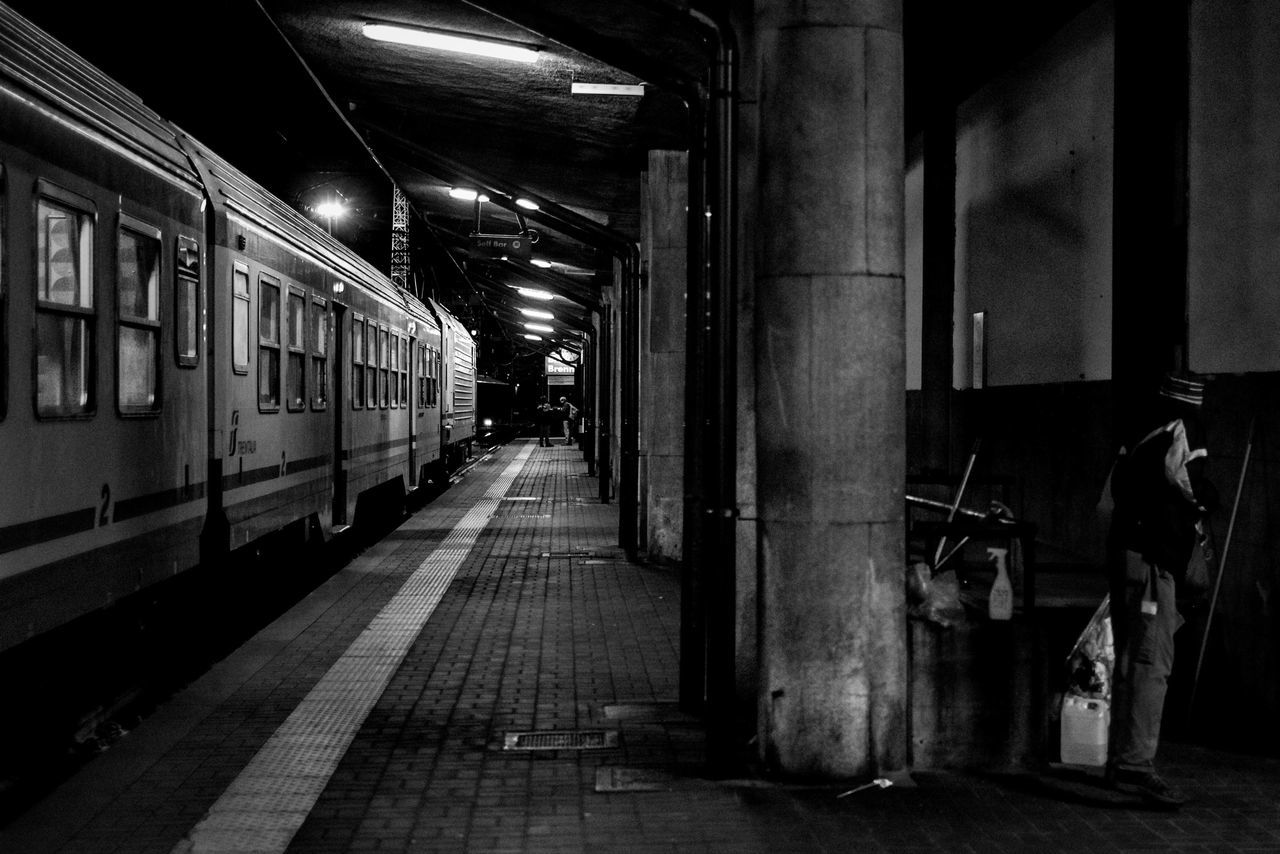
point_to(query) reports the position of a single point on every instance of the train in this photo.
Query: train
(188, 366)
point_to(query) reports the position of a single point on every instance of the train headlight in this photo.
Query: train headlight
(488, 422)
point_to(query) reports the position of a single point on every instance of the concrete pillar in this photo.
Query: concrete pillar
(664, 253)
(830, 387)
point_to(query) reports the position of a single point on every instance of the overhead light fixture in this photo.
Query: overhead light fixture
(540, 262)
(527, 204)
(538, 313)
(539, 327)
(467, 194)
(331, 210)
(532, 337)
(439, 40)
(534, 293)
(607, 89)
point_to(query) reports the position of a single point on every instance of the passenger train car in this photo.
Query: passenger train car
(187, 366)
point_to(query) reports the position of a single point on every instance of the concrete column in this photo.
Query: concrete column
(830, 387)
(664, 242)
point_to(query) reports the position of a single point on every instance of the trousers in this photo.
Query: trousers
(1144, 617)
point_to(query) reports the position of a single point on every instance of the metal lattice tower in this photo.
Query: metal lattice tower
(399, 238)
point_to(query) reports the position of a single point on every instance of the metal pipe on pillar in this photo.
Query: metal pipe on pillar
(590, 354)
(693, 622)
(629, 369)
(605, 374)
(721, 433)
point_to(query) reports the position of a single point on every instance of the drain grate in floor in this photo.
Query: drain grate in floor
(574, 553)
(581, 739)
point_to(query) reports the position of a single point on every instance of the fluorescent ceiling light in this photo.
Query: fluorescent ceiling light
(537, 312)
(606, 89)
(466, 194)
(445, 41)
(540, 262)
(534, 293)
(532, 337)
(539, 327)
(527, 204)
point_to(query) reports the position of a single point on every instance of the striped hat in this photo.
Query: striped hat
(1182, 387)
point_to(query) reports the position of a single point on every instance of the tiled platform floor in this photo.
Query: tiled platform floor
(546, 627)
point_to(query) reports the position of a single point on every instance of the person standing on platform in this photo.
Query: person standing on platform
(543, 417)
(569, 413)
(1158, 497)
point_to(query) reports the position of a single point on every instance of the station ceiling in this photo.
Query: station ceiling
(297, 96)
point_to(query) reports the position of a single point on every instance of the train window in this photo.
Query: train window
(296, 367)
(357, 361)
(384, 365)
(138, 318)
(395, 370)
(404, 372)
(65, 316)
(319, 354)
(268, 344)
(186, 303)
(240, 319)
(371, 364)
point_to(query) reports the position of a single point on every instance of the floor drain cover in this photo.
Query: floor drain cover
(585, 739)
(567, 554)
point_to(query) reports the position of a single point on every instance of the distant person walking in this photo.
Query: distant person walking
(569, 413)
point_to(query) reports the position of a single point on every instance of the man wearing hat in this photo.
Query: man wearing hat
(1159, 497)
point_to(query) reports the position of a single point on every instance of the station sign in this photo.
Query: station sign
(555, 366)
(500, 245)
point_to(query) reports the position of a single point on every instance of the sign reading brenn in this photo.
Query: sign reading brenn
(502, 245)
(555, 366)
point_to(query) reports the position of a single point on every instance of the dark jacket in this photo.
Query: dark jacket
(1157, 492)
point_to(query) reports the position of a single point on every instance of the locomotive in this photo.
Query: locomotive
(187, 365)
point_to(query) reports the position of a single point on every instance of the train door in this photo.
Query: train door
(339, 374)
(411, 403)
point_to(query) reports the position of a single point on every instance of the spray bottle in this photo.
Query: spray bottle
(1000, 600)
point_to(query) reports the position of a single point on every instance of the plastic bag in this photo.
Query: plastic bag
(934, 597)
(1090, 664)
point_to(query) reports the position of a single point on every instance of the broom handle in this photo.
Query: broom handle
(951, 514)
(1222, 565)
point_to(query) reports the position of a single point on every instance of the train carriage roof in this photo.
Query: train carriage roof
(50, 71)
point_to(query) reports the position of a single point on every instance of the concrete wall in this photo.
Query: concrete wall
(1033, 212)
(1234, 172)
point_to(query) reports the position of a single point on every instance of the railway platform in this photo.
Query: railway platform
(495, 676)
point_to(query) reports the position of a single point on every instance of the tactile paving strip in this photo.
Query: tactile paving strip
(262, 809)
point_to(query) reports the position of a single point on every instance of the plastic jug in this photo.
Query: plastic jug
(1084, 730)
